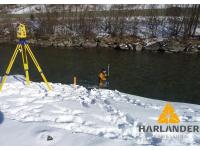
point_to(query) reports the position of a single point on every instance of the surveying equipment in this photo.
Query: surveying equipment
(24, 49)
(108, 75)
(21, 32)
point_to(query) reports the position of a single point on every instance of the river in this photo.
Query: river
(169, 77)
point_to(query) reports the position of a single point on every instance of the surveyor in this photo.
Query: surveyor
(102, 77)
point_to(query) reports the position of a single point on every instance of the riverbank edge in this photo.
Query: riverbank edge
(163, 45)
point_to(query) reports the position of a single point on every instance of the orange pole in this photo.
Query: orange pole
(75, 81)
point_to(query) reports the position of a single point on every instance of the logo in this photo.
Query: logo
(168, 122)
(168, 115)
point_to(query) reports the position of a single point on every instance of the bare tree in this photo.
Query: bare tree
(153, 20)
(191, 20)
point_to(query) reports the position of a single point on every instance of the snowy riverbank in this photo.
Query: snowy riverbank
(76, 116)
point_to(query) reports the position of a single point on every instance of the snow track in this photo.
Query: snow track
(103, 113)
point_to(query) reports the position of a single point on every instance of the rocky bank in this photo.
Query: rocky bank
(162, 45)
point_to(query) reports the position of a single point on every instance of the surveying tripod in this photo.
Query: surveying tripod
(24, 48)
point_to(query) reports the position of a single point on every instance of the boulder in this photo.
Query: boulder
(191, 48)
(153, 46)
(6, 31)
(46, 44)
(131, 47)
(115, 46)
(174, 46)
(60, 44)
(49, 138)
(103, 45)
(89, 44)
(42, 43)
(138, 47)
(77, 41)
(163, 48)
(188, 47)
(32, 41)
(122, 46)
(198, 47)
(54, 44)
(67, 43)
(194, 50)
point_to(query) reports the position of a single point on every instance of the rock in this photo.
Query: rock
(49, 138)
(41, 43)
(52, 38)
(198, 47)
(122, 46)
(54, 44)
(174, 46)
(89, 44)
(6, 31)
(77, 41)
(115, 45)
(154, 46)
(174, 50)
(103, 45)
(139, 47)
(45, 43)
(47, 37)
(188, 47)
(131, 47)
(61, 44)
(163, 49)
(76, 45)
(102, 35)
(32, 41)
(191, 49)
(67, 43)
(194, 50)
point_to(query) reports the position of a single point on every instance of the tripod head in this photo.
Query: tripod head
(21, 31)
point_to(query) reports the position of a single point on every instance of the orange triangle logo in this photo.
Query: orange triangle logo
(168, 115)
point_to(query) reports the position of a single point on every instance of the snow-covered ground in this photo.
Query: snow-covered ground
(73, 115)
(36, 8)
(26, 9)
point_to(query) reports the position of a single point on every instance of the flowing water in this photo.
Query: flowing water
(170, 77)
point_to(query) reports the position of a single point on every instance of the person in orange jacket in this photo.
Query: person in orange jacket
(102, 78)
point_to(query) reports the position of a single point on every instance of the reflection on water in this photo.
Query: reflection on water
(173, 77)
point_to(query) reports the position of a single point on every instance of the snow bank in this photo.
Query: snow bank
(26, 9)
(97, 114)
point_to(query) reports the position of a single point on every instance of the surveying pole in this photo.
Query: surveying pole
(24, 49)
(108, 75)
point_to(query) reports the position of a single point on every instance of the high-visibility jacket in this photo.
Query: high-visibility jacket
(102, 77)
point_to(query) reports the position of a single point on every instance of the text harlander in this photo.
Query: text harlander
(169, 128)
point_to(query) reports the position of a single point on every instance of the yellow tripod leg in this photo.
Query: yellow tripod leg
(25, 64)
(10, 66)
(37, 66)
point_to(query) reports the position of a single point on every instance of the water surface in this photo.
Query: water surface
(170, 77)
